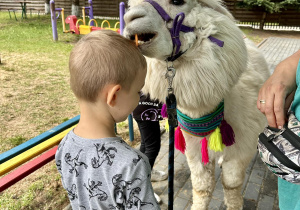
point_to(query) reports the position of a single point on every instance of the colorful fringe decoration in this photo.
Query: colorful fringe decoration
(179, 140)
(163, 111)
(167, 126)
(227, 133)
(221, 133)
(204, 151)
(215, 141)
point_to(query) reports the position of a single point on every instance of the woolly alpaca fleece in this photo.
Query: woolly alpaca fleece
(206, 74)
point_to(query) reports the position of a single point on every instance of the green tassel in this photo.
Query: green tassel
(215, 141)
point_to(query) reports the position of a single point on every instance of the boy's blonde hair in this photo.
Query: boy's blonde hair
(100, 58)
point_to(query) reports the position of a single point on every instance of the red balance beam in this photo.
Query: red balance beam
(26, 169)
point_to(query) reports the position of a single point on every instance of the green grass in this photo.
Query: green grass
(15, 141)
(32, 35)
(35, 96)
(34, 77)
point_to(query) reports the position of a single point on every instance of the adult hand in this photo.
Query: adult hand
(276, 94)
(278, 98)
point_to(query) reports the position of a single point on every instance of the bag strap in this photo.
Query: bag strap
(293, 138)
(277, 153)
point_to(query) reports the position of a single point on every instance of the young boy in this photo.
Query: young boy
(98, 169)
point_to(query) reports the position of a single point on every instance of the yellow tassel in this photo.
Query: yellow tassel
(167, 126)
(215, 141)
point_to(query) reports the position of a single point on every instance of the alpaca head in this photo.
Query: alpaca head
(153, 30)
(206, 71)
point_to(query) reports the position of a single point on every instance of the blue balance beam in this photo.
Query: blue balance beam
(38, 139)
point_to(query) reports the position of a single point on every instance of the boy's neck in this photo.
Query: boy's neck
(94, 124)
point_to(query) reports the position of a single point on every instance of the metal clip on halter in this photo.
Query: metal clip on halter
(171, 99)
(169, 76)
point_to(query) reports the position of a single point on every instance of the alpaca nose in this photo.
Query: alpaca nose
(134, 14)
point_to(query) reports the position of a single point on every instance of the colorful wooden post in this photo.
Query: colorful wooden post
(38, 139)
(53, 11)
(15, 157)
(91, 15)
(121, 15)
(91, 12)
(122, 25)
(32, 152)
(53, 20)
(26, 169)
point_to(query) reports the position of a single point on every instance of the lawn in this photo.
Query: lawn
(35, 96)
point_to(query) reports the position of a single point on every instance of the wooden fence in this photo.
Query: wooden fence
(37, 4)
(258, 18)
(106, 8)
(110, 8)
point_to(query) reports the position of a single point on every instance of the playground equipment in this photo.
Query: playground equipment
(84, 28)
(15, 157)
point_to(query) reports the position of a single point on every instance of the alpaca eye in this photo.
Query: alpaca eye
(177, 2)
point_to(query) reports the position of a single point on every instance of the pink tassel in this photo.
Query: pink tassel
(204, 151)
(179, 140)
(227, 134)
(164, 113)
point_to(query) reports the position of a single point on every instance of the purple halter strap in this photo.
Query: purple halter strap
(177, 27)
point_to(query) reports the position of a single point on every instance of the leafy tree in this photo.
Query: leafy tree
(270, 6)
(286, 3)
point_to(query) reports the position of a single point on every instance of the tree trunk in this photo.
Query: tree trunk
(75, 8)
(263, 20)
(47, 6)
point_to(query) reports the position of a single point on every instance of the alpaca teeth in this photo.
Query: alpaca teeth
(141, 42)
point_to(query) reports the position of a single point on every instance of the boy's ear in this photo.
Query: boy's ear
(112, 95)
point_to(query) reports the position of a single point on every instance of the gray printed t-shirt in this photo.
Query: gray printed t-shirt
(104, 174)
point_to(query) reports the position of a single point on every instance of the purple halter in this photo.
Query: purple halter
(177, 27)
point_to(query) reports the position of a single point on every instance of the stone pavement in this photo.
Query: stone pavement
(260, 186)
(277, 49)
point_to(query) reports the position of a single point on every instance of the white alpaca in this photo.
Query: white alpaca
(206, 74)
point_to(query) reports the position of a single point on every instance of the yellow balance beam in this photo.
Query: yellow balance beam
(33, 152)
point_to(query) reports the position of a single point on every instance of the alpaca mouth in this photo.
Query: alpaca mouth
(143, 38)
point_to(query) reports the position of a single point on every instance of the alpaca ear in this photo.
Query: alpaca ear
(218, 6)
(112, 95)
